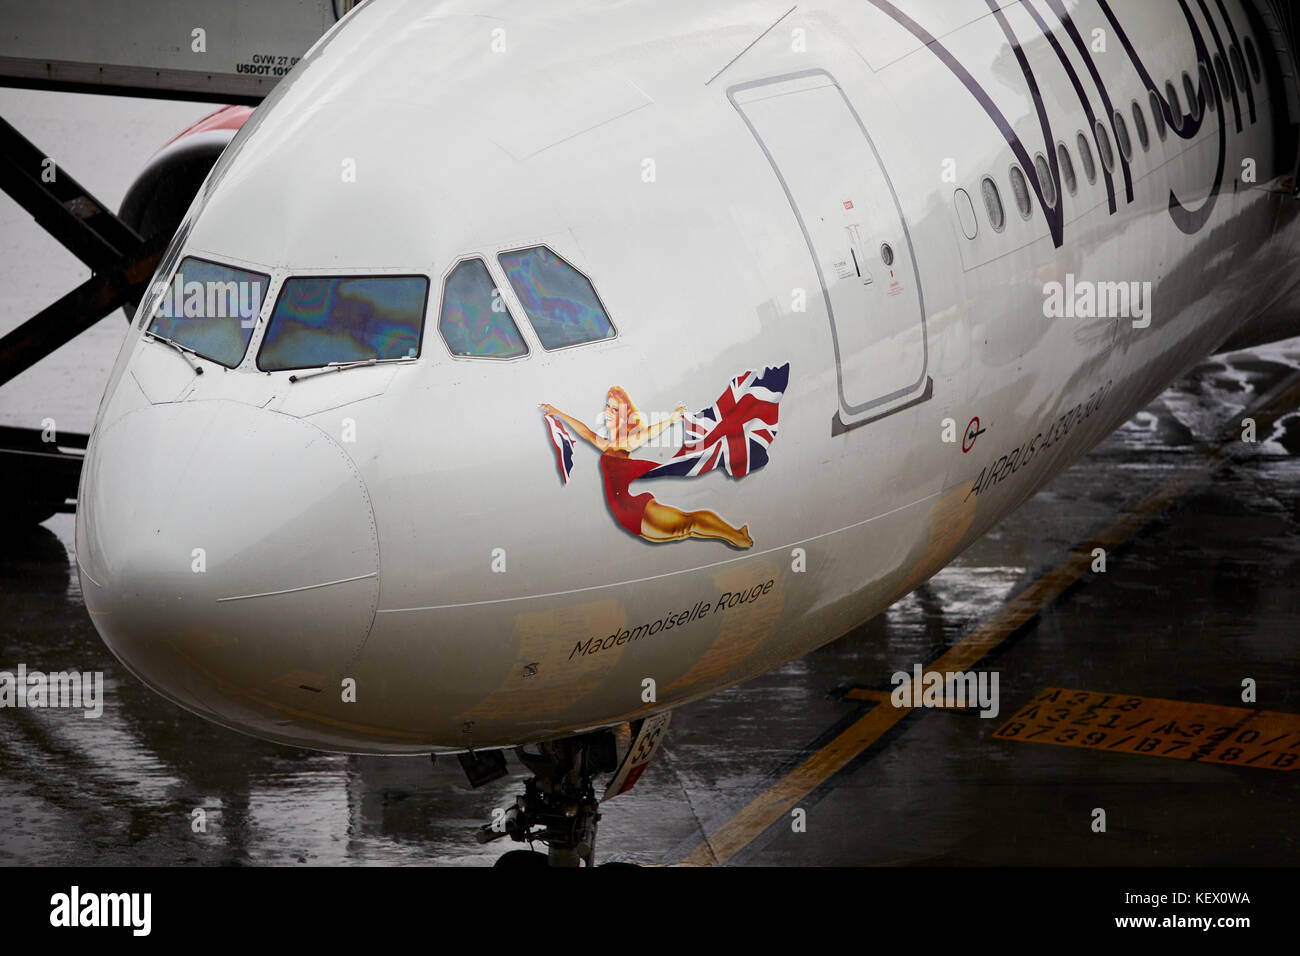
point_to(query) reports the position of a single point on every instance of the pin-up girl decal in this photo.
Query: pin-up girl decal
(735, 432)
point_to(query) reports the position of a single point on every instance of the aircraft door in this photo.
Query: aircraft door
(854, 227)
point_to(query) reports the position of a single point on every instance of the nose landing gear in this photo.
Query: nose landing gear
(558, 806)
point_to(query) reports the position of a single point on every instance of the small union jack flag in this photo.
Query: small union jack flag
(736, 431)
(563, 443)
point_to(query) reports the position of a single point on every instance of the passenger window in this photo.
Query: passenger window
(993, 204)
(1252, 58)
(1122, 138)
(1020, 191)
(1067, 168)
(1193, 101)
(474, 319)
(1103, 147)
(965, 211)
(1207, 87)
(1140, 124)
(1175, 108)
(559, 300)
(1222, 72)
(1238, 71)
(210, 309)
(1085, 157)
(1045, 181)
(1157, 115)
(321, 321)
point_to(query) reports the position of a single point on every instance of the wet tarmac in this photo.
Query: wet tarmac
(1200, 598)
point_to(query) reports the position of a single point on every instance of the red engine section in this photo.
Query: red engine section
(228, 117)
(165, 187)
(160, 195)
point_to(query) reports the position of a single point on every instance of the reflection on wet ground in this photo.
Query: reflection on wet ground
(1201, 598)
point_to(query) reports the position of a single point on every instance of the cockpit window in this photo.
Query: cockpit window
(210, 309)
(319, 321)
(475, 320)
(158, 285)
(560, 302)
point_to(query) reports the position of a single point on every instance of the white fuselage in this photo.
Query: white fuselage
(384, 559)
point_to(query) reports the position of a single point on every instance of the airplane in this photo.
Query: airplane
(565, 368)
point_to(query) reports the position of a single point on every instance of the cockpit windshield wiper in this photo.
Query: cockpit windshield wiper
(181, 350)
(344, 366)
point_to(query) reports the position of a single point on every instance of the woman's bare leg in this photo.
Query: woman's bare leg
(666, 523)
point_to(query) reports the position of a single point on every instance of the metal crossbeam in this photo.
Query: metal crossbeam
(77, 311)
(61, 205)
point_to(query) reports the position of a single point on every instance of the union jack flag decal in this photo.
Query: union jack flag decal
(735, 431)
(563, 443)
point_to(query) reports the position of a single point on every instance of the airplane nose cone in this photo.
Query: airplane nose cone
(228, 557)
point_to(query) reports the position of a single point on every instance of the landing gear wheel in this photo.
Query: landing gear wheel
(522, 860)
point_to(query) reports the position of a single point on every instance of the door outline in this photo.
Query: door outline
(837, 424)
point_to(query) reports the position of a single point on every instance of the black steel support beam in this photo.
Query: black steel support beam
(38, 478)
(77, 311)
(59, 203)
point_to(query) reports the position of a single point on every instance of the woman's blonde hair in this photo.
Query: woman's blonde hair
(632, 416)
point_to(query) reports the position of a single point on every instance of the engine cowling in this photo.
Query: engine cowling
(164, 189)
